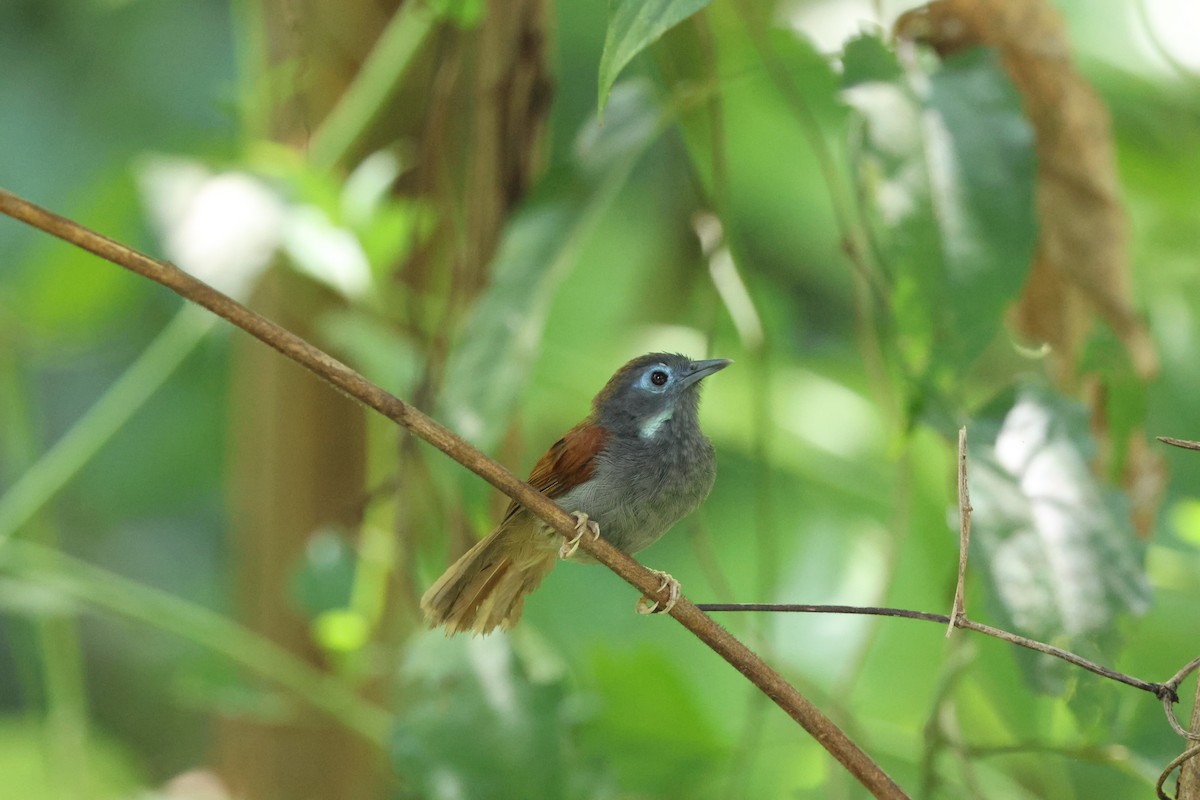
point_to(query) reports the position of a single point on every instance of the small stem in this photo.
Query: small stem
(102, 589)
(1183, 757)
(1155, 689)
(959, 610)
(1181, 676)
(38, 484)
(63, 671)
(59, 656)
(375, 82)
(1184, 443)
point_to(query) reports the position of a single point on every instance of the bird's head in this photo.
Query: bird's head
(651, 390)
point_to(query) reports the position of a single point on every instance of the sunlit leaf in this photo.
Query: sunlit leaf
(634, 25)
(464, 13)
(341, 630)
(947, 164)
(1082, 269)
(369, 186)
(979, 147)
(1056, 544)
(489, 366)
(223, 228)
(326, 251)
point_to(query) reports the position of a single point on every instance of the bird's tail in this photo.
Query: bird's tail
(486, 588)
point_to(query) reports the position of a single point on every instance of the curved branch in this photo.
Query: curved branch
(786, 696)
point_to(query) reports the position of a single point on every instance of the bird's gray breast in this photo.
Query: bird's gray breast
(642, 486)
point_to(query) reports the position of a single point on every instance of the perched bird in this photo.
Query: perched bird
(636, 465)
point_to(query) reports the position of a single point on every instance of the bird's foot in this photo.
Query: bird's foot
(648, 606)
(582, 525)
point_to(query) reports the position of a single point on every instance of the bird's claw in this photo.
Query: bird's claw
(582, 525)
(647, 605)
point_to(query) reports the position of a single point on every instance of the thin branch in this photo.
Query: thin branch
(1065, 655)
(959, 610)
(1181, 676)
(1159, 789)
(786, 696)
(808, 608)
(1169, 710)
(1156, 689)
(1188, 785)
(1101, 753)
(1184, 443)
(1170, 696)
(1189, 776)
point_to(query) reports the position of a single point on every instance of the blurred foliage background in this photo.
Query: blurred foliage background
(209, 562)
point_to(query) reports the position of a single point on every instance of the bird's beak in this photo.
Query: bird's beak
(702, 369)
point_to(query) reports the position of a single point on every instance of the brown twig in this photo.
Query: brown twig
(1159, 787)
(1170, 696)
(1184, 443)
(1155, 689)
(1188, 785)
(832, 738)
(959, 609)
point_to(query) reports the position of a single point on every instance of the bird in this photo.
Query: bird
(636, 465)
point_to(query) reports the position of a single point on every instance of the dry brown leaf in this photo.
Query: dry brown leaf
(1081, 267)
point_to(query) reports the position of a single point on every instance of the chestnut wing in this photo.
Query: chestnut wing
(569, 462)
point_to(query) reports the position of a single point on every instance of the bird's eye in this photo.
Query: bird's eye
(658, 377)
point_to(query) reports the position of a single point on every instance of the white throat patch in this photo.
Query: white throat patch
(651, 427)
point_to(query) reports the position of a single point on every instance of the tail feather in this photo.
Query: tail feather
(485, 589)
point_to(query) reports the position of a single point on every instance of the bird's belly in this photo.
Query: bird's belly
(633, 514)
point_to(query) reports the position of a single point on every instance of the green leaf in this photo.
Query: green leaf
(981, 174)
(374, 347)
(60, 293)
(867, 59)
(481, 719)
(112, 770)
(634, 25)
(644, 692)
(946, 164)
(465, 14)
(490, 362)
(1056, 544)
(1126, 396)
(324, 578)
(341, 630)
